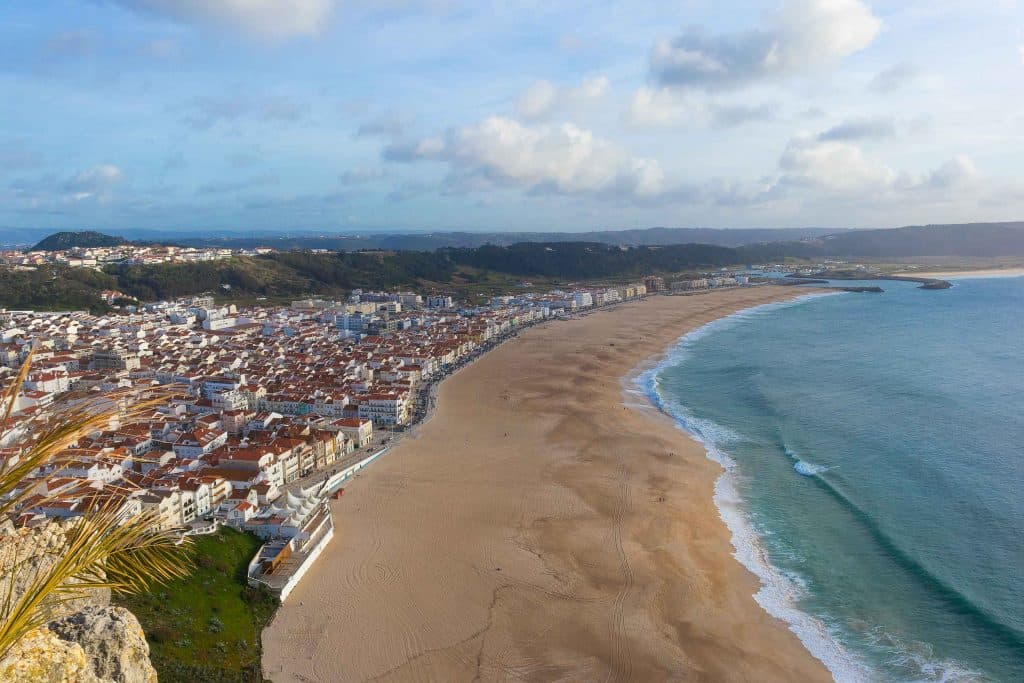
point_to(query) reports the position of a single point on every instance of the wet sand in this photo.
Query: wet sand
(538, 529)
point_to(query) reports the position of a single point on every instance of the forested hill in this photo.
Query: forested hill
(467, 240)
(301, 273)
(964, 240)
(971, 240)
(477, 269)
(60, 241)
(582, 260)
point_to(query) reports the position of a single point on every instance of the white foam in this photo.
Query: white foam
(809, 469)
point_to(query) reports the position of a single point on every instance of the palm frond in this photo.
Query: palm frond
(107, 547)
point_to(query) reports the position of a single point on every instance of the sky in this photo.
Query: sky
(333, 115)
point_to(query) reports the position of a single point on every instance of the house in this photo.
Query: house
(359, 430)
(166, 504)
(198, 442)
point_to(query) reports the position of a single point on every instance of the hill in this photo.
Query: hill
(283, 275)
(971, 240)
(430, 241)
(60, 241)
(471, 272)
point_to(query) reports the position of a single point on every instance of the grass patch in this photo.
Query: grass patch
(207, 627)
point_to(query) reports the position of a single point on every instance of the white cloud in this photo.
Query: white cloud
(661, 107)
(861, 129)
(538, 100)
(361, 175)
(894, 78)
(801, 36)
(205, 112)
(543, 98)
(97, 181)
(832, 165)
(274, 19)
(835, 166)
(563, 158)
(389, 124)
(956, 174)
(665, 107)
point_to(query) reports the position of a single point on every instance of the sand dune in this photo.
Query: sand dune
(537, 529)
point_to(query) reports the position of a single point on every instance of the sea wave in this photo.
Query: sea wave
(803, 467)
(780, 591)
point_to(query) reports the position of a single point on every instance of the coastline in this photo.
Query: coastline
(979, 273)
(510, 537)
(778, 592)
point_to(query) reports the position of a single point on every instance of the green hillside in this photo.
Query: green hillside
(60, 241)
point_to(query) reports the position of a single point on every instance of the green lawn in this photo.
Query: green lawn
(207, 627)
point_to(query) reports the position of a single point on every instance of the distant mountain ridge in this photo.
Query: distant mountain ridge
(979, 240)
(982, 240)
(487, 268)
(733, 237)
(60, 241)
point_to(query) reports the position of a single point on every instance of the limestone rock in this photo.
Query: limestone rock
(33, 551)
(113, 642)
(42, 657)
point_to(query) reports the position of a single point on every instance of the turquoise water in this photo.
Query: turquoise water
(875, 448)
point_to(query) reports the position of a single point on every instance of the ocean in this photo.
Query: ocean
(874, 454)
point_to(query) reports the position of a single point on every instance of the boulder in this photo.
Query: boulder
(42, 657)
(113, 641)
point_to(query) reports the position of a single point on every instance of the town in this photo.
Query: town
(125, 254)
(269, 410)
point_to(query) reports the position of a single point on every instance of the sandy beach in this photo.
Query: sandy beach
(981, 272)
(537, 529)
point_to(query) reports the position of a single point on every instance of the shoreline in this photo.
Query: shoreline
(777, 593)
(508, 537)
(966, 274)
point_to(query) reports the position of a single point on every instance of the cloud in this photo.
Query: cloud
(831, 165)
(205, 112)
(956, 174)
(894, 78)
(386, 125)
(271, 19)
(97, 181)
(665, 107)
(862, 129)
(543, 98)
(414, 150)
(564, 159)
(837, 167)
(49, 193)
(802, 36)
(228, 186)
(1020, 51)
(360, 175)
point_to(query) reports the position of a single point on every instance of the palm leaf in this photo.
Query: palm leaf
(107, 547)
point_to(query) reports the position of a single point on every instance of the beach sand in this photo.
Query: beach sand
(981, 272)
(537, 529)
